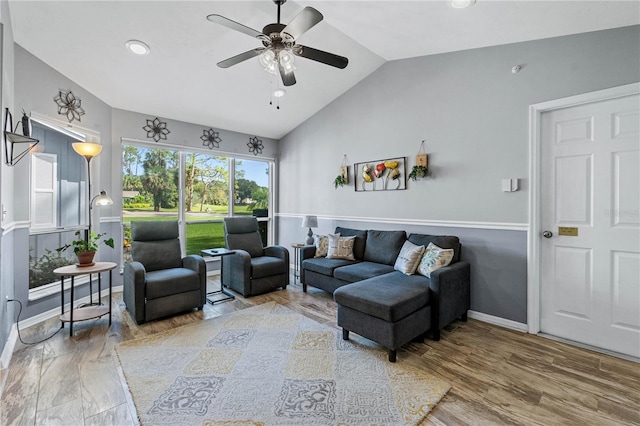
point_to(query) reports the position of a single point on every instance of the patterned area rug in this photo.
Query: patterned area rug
(268, 365)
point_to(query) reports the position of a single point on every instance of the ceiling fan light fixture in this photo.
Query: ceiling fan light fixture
(279, 92)
(285, 59)
(268, 61)
(137, 47)
(461, 4)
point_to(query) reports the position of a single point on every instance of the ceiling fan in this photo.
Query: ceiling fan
(280, 45)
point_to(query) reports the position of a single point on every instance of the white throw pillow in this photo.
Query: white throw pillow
(322, 245)
(340, 247)
(434, 258)
(409, 258)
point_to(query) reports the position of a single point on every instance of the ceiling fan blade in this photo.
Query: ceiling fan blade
(241, 57)
(226, 22)
(320, 56)
(288, 78)
(302, 23)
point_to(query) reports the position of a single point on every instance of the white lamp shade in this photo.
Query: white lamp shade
(103, 199)
(310, 222)
(87, 149)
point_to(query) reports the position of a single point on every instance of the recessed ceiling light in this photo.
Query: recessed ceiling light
(138, 47)
(278, 93)
(461, 4)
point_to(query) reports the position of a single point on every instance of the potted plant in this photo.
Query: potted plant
(84, 249)
(340, 180)
(418, 172)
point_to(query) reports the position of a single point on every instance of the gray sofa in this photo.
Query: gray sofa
(385, 305)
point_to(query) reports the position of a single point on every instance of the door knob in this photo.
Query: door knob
(547, 234)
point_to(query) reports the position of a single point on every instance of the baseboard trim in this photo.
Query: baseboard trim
(5, 359)
(9, 347)
(502, 322)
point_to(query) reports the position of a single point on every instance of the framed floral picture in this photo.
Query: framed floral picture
(381, 175)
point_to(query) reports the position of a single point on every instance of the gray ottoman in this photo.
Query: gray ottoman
(391, 309)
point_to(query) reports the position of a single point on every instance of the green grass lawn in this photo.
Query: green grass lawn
(200, 236)
(203, 236)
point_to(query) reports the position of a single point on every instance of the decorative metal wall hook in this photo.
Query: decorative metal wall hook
(11, 139)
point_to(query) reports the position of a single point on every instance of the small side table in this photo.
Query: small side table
(296, 261)
(219, 252)
(86, 312)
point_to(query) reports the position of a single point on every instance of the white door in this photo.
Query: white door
(590, 182)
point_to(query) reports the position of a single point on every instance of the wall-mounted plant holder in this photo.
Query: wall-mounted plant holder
(343, 177)
(421, 168)
(381, 175)
(13, 140)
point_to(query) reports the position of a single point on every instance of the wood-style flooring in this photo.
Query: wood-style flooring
(498, 376)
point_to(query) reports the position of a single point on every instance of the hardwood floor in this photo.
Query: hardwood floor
(498, 376)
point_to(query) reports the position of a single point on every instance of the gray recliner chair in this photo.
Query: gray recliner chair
(253, 269)
(159, 282)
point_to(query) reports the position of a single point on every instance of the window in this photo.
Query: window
(197, 189)
(58, 201)
(252, 192)
(44, 191)
(206, 200)
(149, 187)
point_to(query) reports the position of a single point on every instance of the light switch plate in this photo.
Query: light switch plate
(509, 185)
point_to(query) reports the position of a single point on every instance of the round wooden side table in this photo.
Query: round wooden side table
(86, 312)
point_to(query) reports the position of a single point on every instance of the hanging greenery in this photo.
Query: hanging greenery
(418, 172)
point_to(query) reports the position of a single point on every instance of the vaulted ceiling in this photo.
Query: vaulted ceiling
(179, 79)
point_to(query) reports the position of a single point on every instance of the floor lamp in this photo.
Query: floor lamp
(89, 150)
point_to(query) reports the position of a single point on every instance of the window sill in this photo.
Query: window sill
(54, 288)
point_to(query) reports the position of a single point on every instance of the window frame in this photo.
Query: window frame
(182, 151)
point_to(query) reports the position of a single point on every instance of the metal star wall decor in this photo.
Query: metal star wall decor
(156, 129)
(69, 105)
(210, 138)
(255, 145)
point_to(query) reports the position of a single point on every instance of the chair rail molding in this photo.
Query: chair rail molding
(505, 226)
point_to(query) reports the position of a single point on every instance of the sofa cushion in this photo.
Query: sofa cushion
(167, 282)
(409, 258)
(390, 297)
(443, 241)
(384, 246)
(360, 242)
(361, 271)
(340, 247)
(157, 255)
(267, 266)
(434, 258)
(325, 266)
(322, 245)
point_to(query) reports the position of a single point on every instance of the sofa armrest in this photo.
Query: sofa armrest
(277, 251)
(451, 293)
(306, 252)
(236, 271)
(135, 279)
(196, 263)
(281, 253)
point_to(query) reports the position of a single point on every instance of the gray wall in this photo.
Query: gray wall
(473, 113)
(7, 311)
